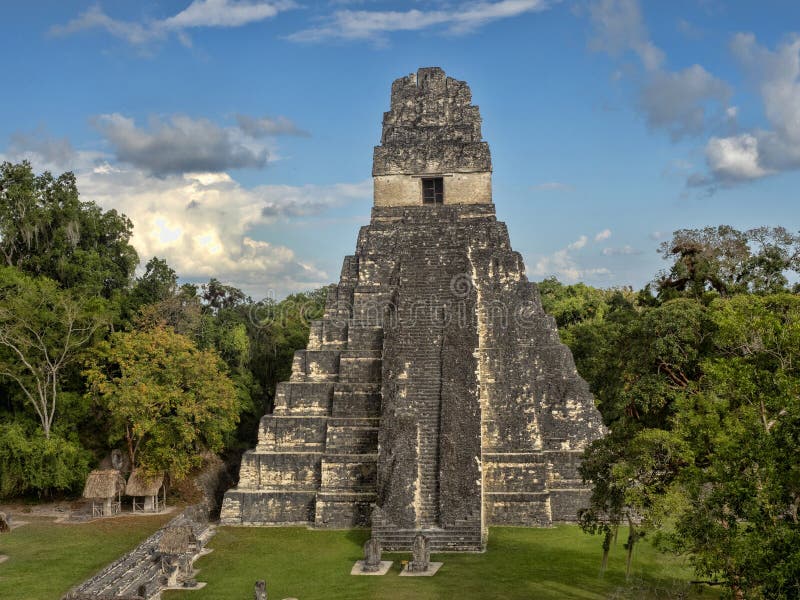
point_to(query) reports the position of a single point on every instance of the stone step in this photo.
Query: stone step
(287, 433)
(315, 365)
(303, 398)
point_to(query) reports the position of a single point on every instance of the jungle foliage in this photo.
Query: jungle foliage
(93, 357)
(697, 378)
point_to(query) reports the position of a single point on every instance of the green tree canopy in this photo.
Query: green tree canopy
(167, 400)
(45, 229)
(728, 261)
(42, 330)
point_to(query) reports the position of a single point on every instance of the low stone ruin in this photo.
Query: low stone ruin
(420, 564)
(164, 560)
(178, 546)
(422, 555)
(372, 563)
(372, 555)
(260, 590)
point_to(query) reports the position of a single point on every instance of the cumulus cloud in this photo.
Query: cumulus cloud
(619, 28)
(207, 224)
(179, 145)
(676, 101)
(683, 102)
(39, 145)
(265, 126)
(564, 265)
(602, 235)
(553, 186)
(200, 13)
(757, 153)
(372, 25)
(204, 224)
(623, 251)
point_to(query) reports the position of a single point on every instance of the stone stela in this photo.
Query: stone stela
(435, 396)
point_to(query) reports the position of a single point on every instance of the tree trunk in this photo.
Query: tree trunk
(606, 547)
(631, 542)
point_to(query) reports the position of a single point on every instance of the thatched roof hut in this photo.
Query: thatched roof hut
(140, 484)
(105, 483)
(178, 539)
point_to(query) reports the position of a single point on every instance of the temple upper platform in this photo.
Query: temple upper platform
(431, 150)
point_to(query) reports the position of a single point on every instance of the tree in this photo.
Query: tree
(166, 399)
(45, 229)
(158, 283)
(219, 296)
(35, 463)
(739, 523)
(181, 311)
(42, 330)
(728, 261)
(639, 362)
(277, 331)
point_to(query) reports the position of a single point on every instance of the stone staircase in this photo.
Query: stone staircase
(316, 457)
(463, 535)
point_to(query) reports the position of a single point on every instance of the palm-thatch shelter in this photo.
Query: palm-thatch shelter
(104, 488)
(144, 490)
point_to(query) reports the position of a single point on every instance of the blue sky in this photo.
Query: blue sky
(238, 135)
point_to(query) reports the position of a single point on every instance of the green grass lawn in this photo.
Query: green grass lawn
(46, 559)
(539, 564)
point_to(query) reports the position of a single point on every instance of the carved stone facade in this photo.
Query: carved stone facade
(435, 396)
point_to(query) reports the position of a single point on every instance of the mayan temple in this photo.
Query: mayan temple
(434, 395)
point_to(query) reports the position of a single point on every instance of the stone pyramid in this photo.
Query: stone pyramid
(435, 395)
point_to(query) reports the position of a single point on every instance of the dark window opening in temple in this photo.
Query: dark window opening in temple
(433, 190)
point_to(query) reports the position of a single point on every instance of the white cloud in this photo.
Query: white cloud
(266, 126)
(553, 186)
(179, 145)
(735, 158)
(135, 34)
(623, 251)
(206, 224)
(602, 235)
(563, 264)
(374, 25)
(203, 224)
(757, 153)
(579, 243)
(224, 13)
(677, 101)
(619, 27)
(200, 13)
(683, 102)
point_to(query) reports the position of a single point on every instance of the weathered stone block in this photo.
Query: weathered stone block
(303, 398)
